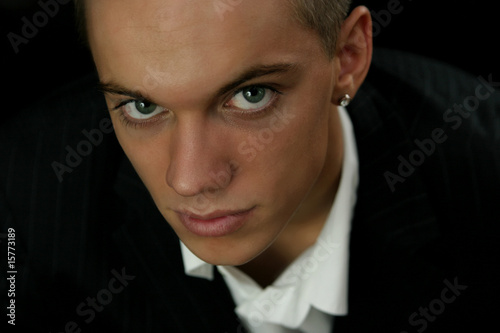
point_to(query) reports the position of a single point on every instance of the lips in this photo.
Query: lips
(215, 224)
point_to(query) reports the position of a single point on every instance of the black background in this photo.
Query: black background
(461, 33)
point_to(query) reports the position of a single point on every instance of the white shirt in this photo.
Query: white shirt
(313, 289)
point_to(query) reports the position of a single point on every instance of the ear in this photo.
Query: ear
(354, 53)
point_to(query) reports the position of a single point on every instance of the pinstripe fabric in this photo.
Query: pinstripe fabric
(75, 236)
(436, 225)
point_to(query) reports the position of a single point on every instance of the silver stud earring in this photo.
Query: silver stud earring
(345, 100)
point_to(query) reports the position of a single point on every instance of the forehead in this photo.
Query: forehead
(181, 37)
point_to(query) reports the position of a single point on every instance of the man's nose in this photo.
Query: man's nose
(198, 161)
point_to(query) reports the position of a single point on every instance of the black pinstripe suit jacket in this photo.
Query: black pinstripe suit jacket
(92, 253)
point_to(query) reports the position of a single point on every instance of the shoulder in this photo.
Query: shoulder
(57, 120)
(72, 120)
(57, 151)
(434, 129)
(57, 171)
(449, 121)
(421, 84)
(418, 86)
(426, 95)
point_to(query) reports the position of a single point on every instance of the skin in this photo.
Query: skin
(201, 154)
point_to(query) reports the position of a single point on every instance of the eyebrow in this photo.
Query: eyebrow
(116, 89)
(250, 74)
(257, 72)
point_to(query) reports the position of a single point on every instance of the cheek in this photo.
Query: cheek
(307, 139)
(287, 168)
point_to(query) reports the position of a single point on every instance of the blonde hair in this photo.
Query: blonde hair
(323, 16)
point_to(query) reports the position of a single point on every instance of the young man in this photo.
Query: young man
(232, 115)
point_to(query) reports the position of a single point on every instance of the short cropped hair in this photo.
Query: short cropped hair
(323, 16)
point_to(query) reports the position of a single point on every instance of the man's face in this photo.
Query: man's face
(235, 135)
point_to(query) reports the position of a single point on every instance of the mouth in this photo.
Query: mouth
(215, 224)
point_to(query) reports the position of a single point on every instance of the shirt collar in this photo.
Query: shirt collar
(194, 266)
(319, 277)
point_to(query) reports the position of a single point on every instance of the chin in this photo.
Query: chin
(226, 252)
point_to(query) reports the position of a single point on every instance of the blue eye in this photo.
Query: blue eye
(144, 107)
(252, 98)
(141, 110)
(254, 95)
